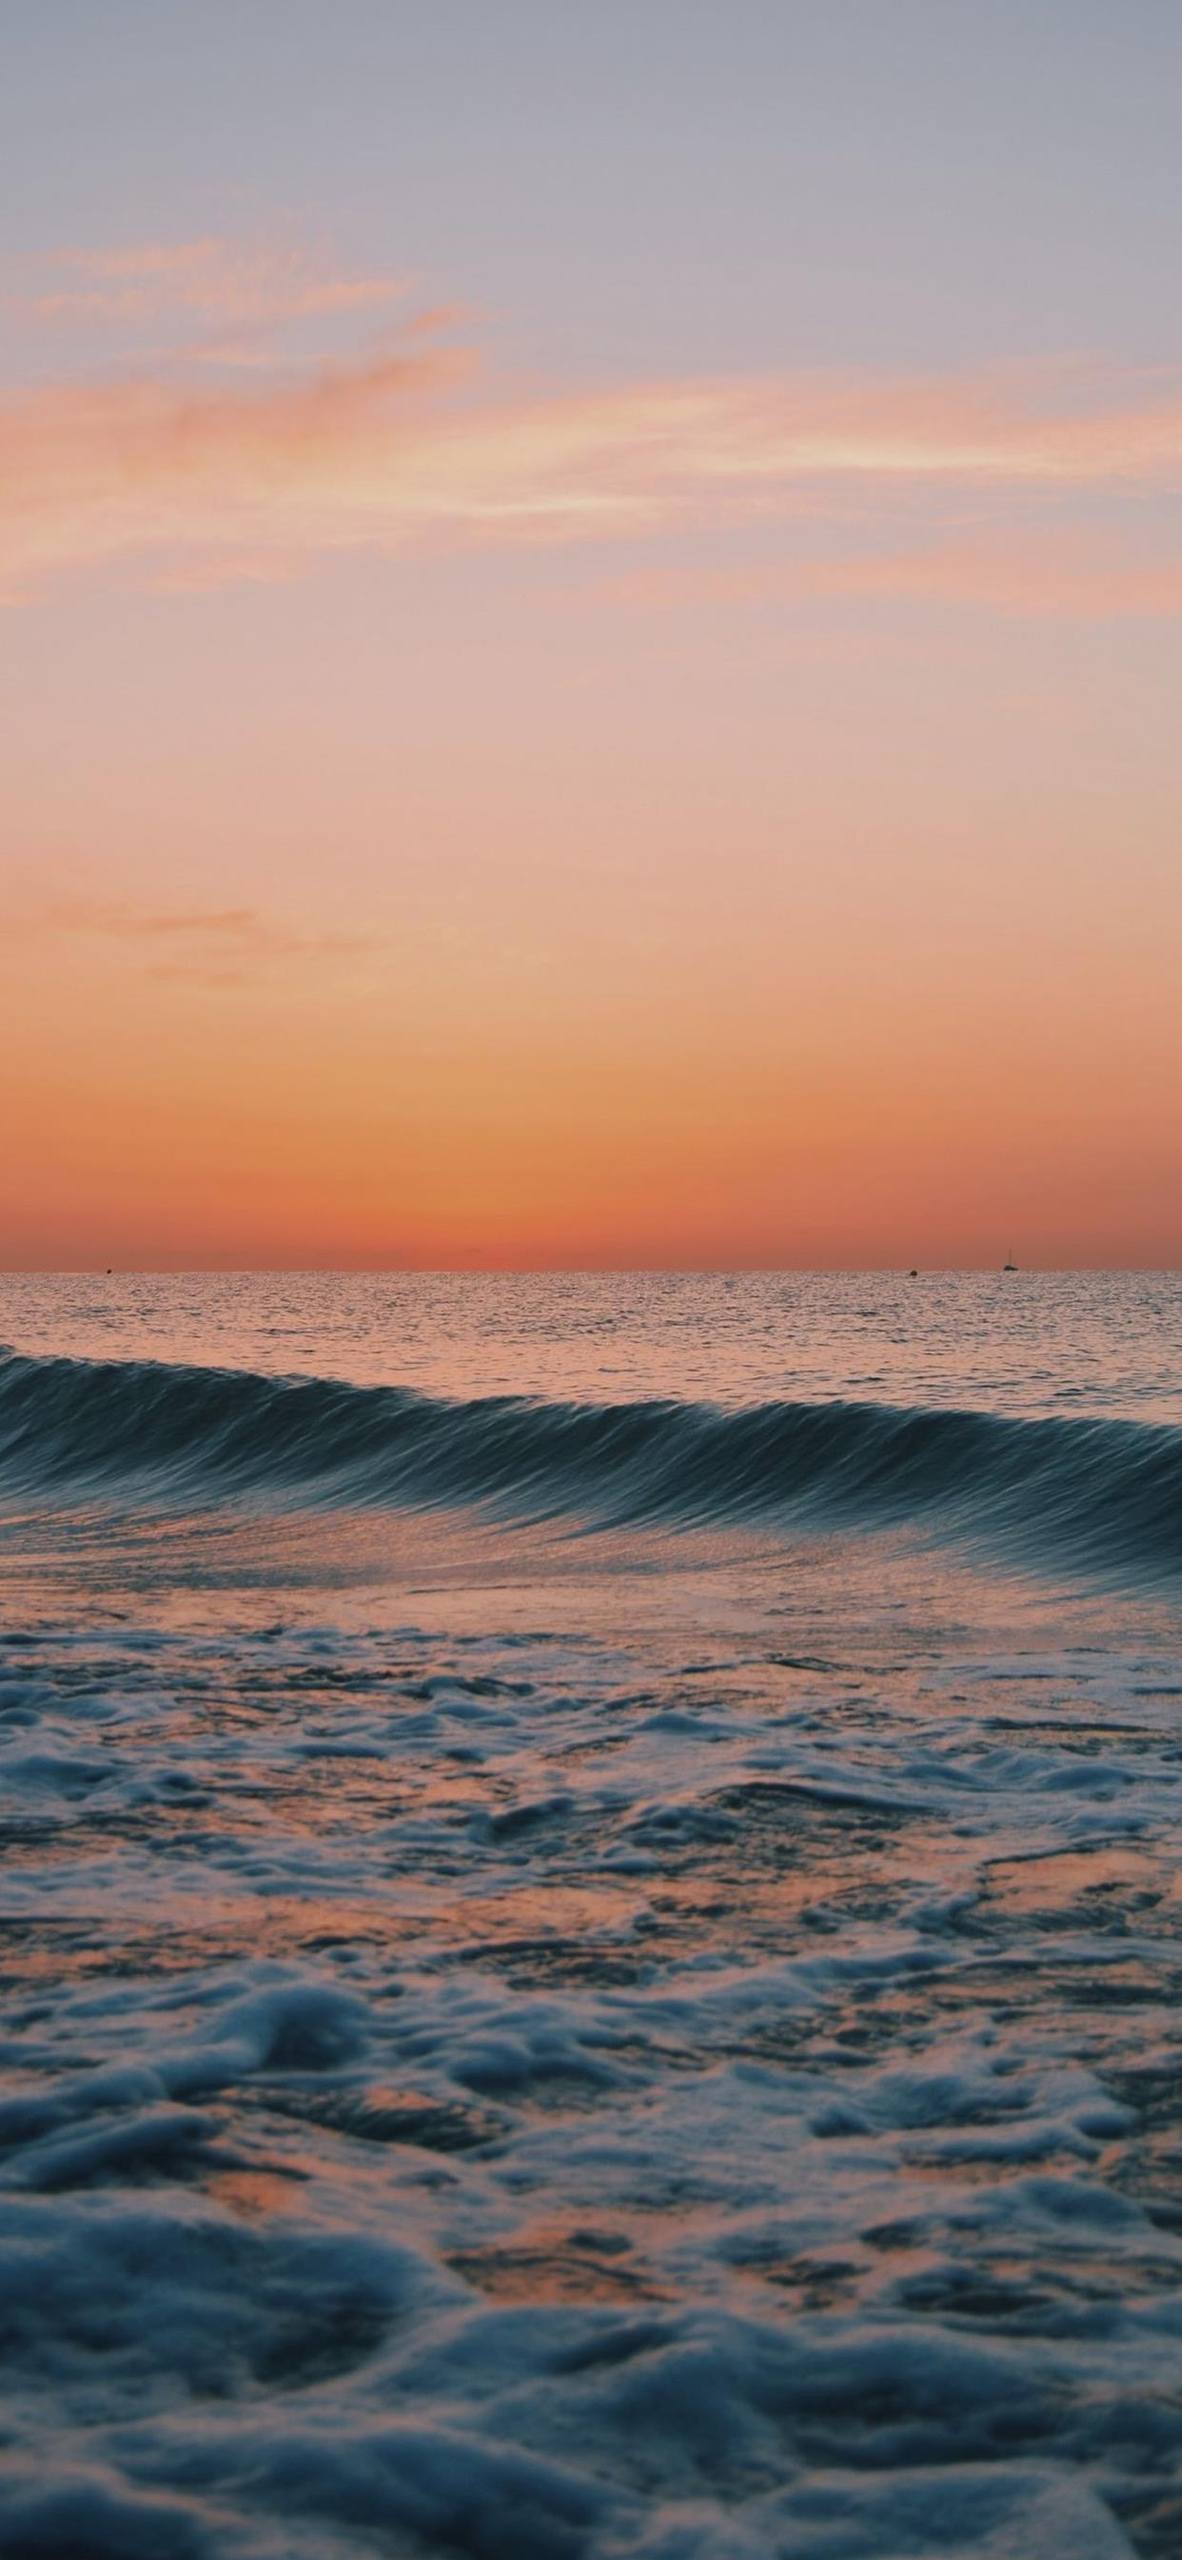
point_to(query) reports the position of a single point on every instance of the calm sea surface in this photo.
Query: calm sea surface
(591, 1917)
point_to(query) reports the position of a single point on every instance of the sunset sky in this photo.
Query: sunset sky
(590, 603)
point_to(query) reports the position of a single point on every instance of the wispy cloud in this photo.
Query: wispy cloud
(205, 945)
(211, 281)
(1036, 574)
(407, 447)
(1025, 574)
(150, 467)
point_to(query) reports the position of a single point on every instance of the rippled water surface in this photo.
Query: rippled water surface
(1023, 1342)
(594, 1976)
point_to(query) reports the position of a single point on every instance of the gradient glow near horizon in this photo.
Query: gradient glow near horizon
(591, 604)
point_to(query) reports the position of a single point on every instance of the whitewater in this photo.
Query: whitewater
(591, 1917)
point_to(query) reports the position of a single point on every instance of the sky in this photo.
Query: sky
(590, 632)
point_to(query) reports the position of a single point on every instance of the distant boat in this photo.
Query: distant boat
(1011, 1265)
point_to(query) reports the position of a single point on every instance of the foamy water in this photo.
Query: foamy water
(591, 1915)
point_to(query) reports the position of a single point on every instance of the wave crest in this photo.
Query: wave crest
(1096, 1494)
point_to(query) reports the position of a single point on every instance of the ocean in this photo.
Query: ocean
(592, 1917)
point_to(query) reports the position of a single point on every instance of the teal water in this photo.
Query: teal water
(591, 1918)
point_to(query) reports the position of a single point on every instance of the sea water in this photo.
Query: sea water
(591, 1917)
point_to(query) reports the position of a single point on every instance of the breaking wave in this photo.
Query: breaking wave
(1091, 1494)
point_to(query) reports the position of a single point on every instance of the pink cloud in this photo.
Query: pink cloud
(209, 280)
(205, 945)
(150, 467)
(404, 449)
(1028, 574)
(1032, 576)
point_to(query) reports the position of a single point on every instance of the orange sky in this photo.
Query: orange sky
(473, 797)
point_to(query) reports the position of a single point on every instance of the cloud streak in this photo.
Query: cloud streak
(1027, 575)
(210, 281)
(409, 448)
(212, 946)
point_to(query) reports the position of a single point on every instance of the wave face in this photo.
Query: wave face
(1095, 1495)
